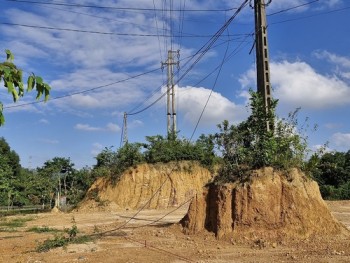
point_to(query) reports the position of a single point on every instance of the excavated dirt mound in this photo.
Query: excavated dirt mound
(152, 186)
(271, 205)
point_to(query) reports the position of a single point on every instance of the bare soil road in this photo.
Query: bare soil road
(143, 240)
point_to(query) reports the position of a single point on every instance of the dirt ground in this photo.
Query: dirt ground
(143, 240)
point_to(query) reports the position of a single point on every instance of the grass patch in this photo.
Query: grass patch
(62, 241)
(70, 236)
(43, 229)
(12, 225)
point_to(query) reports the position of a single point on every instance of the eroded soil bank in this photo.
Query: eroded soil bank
(150, 186)
(271, 205)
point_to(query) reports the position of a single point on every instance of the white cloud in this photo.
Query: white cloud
(107, 89)
(110, 127)
(44, 121)
(299, 85)
(333, 125)
(48, 141)
(332, 3)
(341, 63)
(333, 58)
(96, 148)
(135, 124)
(192, 101)
(86, 127)
(341, 140)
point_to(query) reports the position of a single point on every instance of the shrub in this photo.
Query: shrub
(250, 145)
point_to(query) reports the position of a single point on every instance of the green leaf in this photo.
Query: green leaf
(20, 89)
(47, 93)
(9, 55)
(2, 119)
(15, 95)
(39, 80)
(39, 89)
(30, 83)
(9, 85)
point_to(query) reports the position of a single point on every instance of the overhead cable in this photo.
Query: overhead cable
(201, 52)
(310, 16)
(106, 33)
(84, 91)
(291, 8)
(119, 8)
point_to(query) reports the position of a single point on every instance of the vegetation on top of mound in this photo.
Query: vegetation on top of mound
(156, 149)
(249, 145)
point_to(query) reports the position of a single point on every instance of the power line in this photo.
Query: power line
(291, 8)
(201, 52)
(120, 8)
(101, 17)
(211, 92)
(225, 59)
(85, 91)
(103, 86)
(131, 112)
(168, 175)
(187, 35)
(310, 16)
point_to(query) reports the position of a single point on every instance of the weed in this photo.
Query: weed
(43, 229)
(72, 232)
(60, 240)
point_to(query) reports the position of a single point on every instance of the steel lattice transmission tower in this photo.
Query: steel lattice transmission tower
(171, 106)
(262, 55)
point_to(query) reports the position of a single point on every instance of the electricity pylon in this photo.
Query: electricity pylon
(171, 106)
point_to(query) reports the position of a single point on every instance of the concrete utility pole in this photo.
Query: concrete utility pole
(171, 106)
(262, 54)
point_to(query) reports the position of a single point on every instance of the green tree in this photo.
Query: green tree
(13, 81)
(332, 173)
(113, 164)
(9, 172)
(205, 146)
(160, 149)
(55, 175)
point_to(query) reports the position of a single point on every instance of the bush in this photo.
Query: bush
(250, 145)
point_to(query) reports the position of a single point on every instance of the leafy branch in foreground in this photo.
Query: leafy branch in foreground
(13, 81)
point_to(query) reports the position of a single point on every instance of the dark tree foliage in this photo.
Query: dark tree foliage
(10, 157)
(332, 173)
(10, 169)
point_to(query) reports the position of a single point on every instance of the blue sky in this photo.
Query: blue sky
(109, 53)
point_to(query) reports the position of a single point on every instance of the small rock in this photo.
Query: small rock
(274, 245)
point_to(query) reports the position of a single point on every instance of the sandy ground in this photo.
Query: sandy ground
(143, 240)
